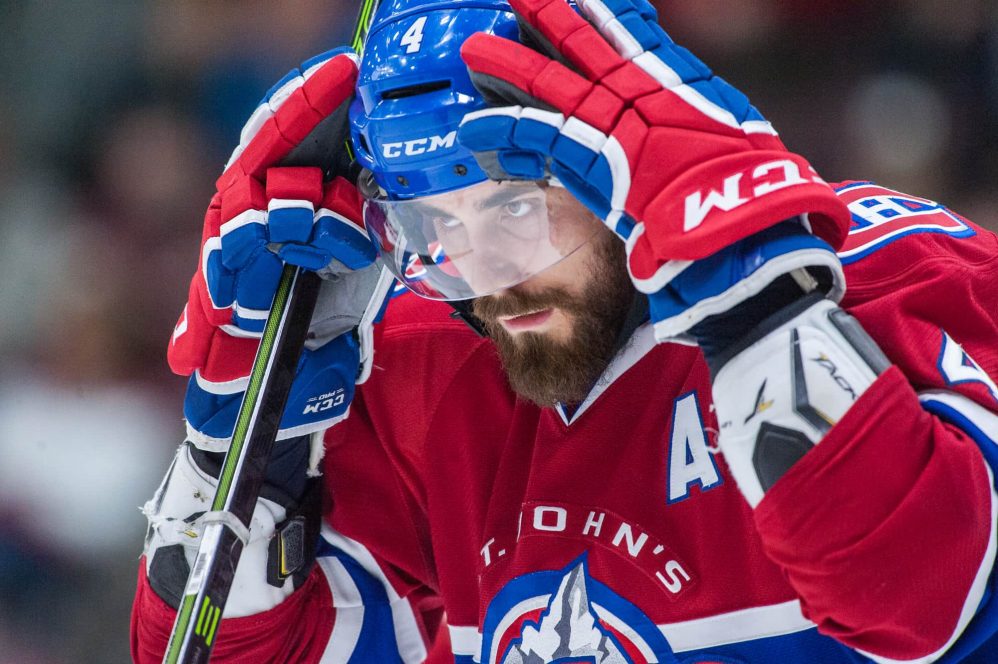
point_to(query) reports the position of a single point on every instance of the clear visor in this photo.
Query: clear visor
(478, 240)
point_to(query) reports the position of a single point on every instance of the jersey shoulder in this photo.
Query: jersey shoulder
(421, 346)
(423, 357)
(891, 231)
(409, 316)
(920, 278)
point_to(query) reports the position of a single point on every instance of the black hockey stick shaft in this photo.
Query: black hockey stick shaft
(243, 470)
(241, 477)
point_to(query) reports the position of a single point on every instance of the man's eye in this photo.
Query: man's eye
(518, 208)
(448, 223)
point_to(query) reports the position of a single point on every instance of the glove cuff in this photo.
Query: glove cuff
(689, 293)
(723, 200)
(320, 397)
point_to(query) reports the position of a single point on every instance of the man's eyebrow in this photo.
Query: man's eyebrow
(501, 197)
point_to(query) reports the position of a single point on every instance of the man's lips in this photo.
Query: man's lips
(526, 322)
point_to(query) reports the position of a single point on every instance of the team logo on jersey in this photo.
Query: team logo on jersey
(881, 216)
(567, 617)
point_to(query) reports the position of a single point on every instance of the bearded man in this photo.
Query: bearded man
(623, 409)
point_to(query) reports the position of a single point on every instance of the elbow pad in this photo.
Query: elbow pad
(786, 385)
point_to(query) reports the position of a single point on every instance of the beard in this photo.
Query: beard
(546, 371)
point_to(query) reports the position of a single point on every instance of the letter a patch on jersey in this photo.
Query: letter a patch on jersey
(881, 216)
(689, 459)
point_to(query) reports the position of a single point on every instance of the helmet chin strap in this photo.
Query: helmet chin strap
(636, 315)
(462, 310)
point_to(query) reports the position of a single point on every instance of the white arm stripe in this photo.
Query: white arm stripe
(349, 612)
(465, 641)
(979, 417)
(412, 647)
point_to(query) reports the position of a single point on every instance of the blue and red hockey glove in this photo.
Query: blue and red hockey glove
(263, 215)
(678, 163)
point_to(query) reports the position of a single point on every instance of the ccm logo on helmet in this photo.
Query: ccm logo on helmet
(418, 146)
(736, 190)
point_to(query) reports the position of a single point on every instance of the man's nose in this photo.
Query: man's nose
(492, 269)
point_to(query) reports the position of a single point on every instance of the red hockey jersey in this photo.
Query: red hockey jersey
(616, 534)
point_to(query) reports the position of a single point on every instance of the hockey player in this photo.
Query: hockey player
(667, 442)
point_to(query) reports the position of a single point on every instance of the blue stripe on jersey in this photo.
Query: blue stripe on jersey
(978, 642)
(852, 185)
(806, 646)
(852, 258)
(376, 642)
(464, 659)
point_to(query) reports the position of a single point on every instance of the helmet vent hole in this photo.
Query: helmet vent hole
(461, 169)
(414, 90)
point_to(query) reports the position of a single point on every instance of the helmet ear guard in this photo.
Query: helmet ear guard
(368, 186)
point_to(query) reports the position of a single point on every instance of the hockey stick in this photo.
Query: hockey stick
(241, 477)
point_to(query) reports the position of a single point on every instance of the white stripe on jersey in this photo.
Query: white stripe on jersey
(744, 625)
(349, 612)
(465, 641)
(408, 636)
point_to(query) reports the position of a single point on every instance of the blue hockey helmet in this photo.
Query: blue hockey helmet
(413, 89)
(443, 228)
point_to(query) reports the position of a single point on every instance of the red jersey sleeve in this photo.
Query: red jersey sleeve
(887, 528)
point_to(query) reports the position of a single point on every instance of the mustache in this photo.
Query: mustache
(515, 303)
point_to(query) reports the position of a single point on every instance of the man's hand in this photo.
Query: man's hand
(674, 159)
(266, 214)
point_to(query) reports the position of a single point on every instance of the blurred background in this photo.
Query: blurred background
(115, 120)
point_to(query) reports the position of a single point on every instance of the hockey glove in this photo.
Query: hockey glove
(264, 214)
(673, 159)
